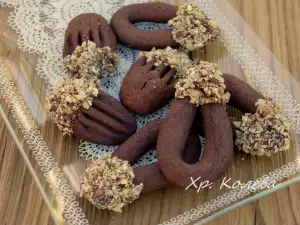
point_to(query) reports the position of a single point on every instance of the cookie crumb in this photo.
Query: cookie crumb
(88, 60)
(192, 28)
(108, 184)
(176, 59)
(203, 84)
(68, 97)
(265, 132)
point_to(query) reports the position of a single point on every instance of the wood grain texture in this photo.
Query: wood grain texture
(275, 22)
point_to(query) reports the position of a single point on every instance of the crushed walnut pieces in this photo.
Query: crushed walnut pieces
(265, 132)
(192, 28)
(203, 84)
(108, 184)
(68, 97)
(174, 58)
(88, 60)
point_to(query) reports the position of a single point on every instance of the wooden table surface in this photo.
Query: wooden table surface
(275, 21)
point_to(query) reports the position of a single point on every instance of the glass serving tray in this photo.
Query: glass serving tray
(56, 162)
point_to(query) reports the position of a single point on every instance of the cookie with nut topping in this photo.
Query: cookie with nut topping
(111, 182)
(78, 107)
(190, 27)
(88, 27)
(89, 60)
(202, 90)
(149, 84)
(105, 122)
(263, 130)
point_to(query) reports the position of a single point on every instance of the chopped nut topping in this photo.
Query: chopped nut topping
(172, 57)
(68, 97)
(108, 184)
(192, 28)
(88, 60)
(204, 84)
(265, 132)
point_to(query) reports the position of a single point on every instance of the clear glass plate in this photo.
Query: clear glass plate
(56, 162)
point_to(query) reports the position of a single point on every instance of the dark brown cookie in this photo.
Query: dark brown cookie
(106, 122)
(147, 88)
(144, 140)
(88, 26)
(144, 12)
(243, 96)
(173, 137)
(198, 126)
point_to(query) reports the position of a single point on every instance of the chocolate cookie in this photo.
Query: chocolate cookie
(198, 125)
(88, 26)
(146, 88)
(243, 96)
(263, 129)
(202, 86)
(173, 137)
(144, 12)
(144, 140)
(106, 122)
(111, 183)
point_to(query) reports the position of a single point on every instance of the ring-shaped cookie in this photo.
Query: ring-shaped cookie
(218, 148)
(122, 24)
